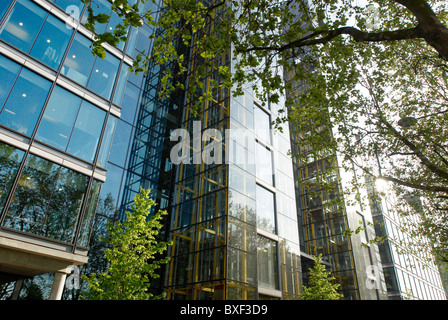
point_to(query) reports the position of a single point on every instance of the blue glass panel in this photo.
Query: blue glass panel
(87, 131)
(23, 24)
(79, 61)
(4, 5)
(130, 103)
(10, 159)
(89, 215)
(52, 42)
(103, 75)
(120, 144)
(121, 83)
(107, 140)
(65, 4)
(58, 119)
(8, 73)
(110, 190)
(25, 102)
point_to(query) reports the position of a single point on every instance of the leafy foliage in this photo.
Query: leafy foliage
(320, 285)
(134, 255)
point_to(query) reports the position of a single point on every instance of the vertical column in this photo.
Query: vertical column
(58, 286)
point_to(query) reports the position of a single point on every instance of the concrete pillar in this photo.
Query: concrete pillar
(17, 288)
(58, 286)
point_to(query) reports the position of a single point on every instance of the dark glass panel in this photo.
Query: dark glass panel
(103, 75)
(65, 206)
(27, 211)
(89, 214)
(10, 159)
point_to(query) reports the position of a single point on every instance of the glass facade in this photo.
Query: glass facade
(80, 135)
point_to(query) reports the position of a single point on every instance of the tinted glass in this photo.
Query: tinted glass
(10, 159)
(65, 206)
(32, 195)
(8, 73)
(23, 24)
(25, 102)
(120, 143)
(89, 214)
(65, 5)
(263, 158)
(265, 209)
(267, 263)
(107, 140)
(79, 61)
(52, 42)
(58, 119)
(121, 83)
(130, 102)
(103, 75)
(4, 5)
(262, 124)
(86, 133)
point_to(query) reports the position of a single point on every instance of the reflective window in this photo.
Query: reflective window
(130, 102)
(262, 124)
(267, 263)
(89, 214)
(8, 73)
(65, 5)
(71, 125)
(107, 141)
(103, 75)
(25, 102)
(86, 132)
(10, 159)
(23, 24)
(52, 42)
(79, 61)
(265, 209)
(47, 200)
(263, 159)
(4, 5)
(121, 83)
(58, 118)
(120, 143)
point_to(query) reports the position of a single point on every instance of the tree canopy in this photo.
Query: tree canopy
(375, 72)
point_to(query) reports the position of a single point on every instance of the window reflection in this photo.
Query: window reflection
(8, 73)
(267, 263)
(47, 200)
(51, 43)
(23, 25)
(262, 124)
(4, 5)
(103, 75)
(58, 119)
(263, 158)
(107, 141)
(86, 132)
(10, 159)
(79, 61)
(25, 102)
(265, 209)
(71, 125)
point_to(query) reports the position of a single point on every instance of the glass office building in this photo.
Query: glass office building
(80, 135)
